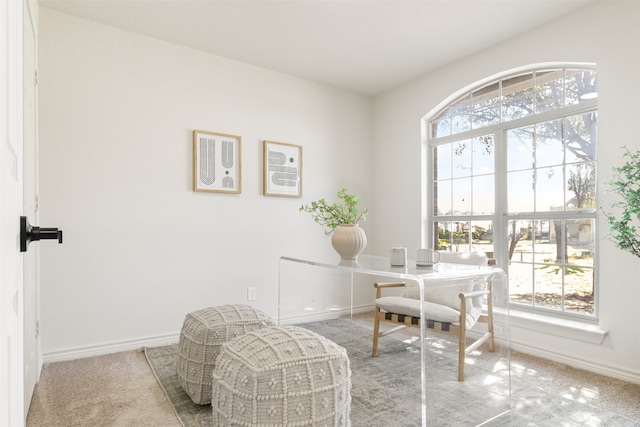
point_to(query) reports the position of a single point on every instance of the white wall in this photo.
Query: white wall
(141, 249)
(607, 33)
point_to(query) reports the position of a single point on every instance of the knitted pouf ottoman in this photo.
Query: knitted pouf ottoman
(281, 376)
(202, 334)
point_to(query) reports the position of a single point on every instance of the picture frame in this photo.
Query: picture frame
(282, 169)
(217, 162)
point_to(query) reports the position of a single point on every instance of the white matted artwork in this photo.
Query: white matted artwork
(217, 162)
(282, 169)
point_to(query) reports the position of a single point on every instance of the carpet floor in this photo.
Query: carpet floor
(120, 390)
(386, 390)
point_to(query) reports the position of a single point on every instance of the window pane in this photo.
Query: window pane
(581, 186)
(517, 95)
(542, 239)
(581, 85)
(549, 189)
(486, 116)
(460, 239)
(520, 148)
(521, 283)
(460, 123)
(516, 107)
(462, 158)
(486, 106)
(579, 291)
(578, 268)
(520, 234)
(461, 115)
(578, 234)
(461, 106)
(520, 191)
(442, 198)
(482, 237)
(483, 195)
(443, 231)
(483, 155)
(557, 239)
(442, 115)
(462, 196)
(442, 154)
(486, 96)
(563, 273)
(520, 267)
(581, 242)
(441, 128)
(580, 137)
(548, 287)
(549, 90)
(549, 147)
(544, 250)
(441, 124)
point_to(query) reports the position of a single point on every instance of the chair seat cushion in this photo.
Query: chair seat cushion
(444, 295)
(433, 311)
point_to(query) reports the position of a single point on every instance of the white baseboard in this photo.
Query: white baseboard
(325, 315)
(598, 368)
(569, 360)
(108, 348)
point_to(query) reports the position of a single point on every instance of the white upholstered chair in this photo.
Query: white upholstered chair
(454, 308)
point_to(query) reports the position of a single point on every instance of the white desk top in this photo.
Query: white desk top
(368, 264)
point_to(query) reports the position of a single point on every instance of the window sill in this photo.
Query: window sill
(564, 328)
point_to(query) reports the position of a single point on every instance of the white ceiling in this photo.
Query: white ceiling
(360, 45)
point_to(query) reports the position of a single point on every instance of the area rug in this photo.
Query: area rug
(386, 389)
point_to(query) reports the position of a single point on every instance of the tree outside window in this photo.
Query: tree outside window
(541, 126)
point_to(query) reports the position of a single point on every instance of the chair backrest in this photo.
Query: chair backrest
(448, 295)
(470, 258)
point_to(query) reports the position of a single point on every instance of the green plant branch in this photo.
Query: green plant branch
(626, 184)
(329, 216)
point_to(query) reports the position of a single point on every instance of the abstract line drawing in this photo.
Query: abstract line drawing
(227, 182)
(277, 158)
(207, 161)
(217, 163)
(282, 169)
(227, 154)
(280, 174)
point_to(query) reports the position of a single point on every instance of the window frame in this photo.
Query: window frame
(501, 217)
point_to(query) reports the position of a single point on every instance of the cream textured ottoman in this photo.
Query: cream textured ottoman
(202, 334)
(281, 376)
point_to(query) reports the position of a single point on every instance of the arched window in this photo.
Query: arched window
(512, 169)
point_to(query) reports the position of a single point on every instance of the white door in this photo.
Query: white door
(32, 355)
(11, 187)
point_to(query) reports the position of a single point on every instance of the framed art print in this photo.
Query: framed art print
(282, 169)
(217, 162)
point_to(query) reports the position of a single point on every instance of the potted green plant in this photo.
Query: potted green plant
(626, 184)
(340, 220)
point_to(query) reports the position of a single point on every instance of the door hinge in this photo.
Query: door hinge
(37, 328)
(35, 77)
(36, 204)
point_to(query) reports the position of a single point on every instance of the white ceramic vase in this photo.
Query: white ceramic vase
(349, 240)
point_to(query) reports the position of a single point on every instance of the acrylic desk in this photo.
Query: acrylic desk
(325, 287)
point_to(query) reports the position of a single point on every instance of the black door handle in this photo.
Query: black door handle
(30, 233)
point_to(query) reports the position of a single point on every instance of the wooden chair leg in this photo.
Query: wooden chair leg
(462, 345)
(490, 318)
(376, 333)
(462, 352)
